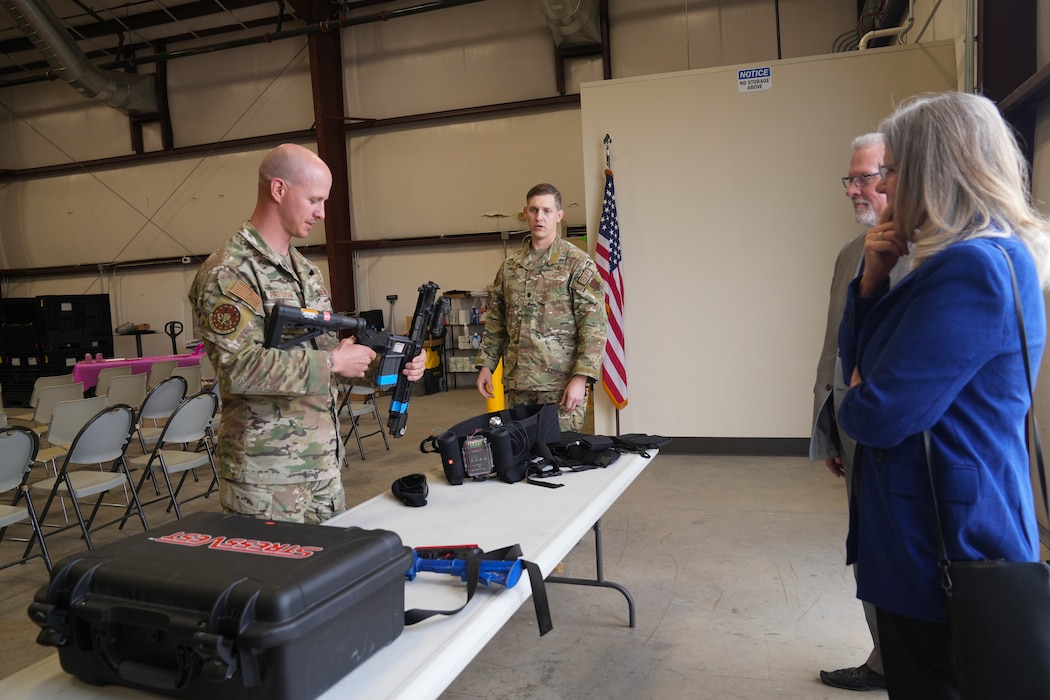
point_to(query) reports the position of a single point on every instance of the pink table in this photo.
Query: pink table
(87, 372)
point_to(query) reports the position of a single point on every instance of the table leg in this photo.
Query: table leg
(599, 579)
(138, 344)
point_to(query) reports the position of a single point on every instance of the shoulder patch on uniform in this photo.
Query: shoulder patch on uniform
(224, 318)
(239, 290)
(585, 277)
(596, 285)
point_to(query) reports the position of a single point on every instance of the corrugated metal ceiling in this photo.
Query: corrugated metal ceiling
(112, 30)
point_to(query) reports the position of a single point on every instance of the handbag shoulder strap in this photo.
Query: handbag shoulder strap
(1033, 434)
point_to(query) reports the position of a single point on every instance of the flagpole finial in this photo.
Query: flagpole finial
(608, 156)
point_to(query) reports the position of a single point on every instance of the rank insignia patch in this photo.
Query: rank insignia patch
(224, 318)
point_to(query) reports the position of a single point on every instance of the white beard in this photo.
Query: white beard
(867, 217)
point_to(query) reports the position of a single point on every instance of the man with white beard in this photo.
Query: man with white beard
(834, 447)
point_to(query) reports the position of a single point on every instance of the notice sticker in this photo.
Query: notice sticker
(754, 79)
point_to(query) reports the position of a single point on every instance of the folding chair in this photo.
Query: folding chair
(161, 401)
(34, 398)
(192, 375)
(207, 370)
(187, 425)
(49, 397)
(67, 418)
(18, 448)
(66, 421)
(159, 371)
(104, 440)
(129, 389)
(357, 410)
(106, 375)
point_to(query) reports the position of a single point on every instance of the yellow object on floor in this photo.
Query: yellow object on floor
(497, 402)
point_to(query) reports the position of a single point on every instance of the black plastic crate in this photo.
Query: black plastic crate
(62, 361)
(18, 339)
(17, 310)
(18, 385)
(86, 314)
(61, 341)
(28, 363)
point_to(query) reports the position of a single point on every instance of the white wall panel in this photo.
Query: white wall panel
(660, 36)
(175, 208)
(250, 91)
(444, 179)
(51, 123)
(479, 54)
(731, 215)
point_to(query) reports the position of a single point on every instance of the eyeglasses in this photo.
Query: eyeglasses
(859, 180)
(886, 170)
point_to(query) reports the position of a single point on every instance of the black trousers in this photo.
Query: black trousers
(917, 657)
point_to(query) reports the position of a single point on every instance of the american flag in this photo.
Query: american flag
(614, 366)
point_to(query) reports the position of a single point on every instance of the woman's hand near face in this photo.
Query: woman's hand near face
(883, 247)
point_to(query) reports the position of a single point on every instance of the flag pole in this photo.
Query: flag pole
(608, 166)
(608, 257)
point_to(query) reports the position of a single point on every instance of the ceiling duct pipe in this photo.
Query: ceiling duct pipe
(128, 92)
(573, 22)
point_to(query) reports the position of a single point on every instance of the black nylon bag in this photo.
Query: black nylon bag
(529, 427)
(999, 613)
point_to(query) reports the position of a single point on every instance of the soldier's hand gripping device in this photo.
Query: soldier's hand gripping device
(288, 326)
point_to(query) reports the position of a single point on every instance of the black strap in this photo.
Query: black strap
(539, 589)
(1032, 434)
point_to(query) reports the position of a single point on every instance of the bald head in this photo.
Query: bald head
(288, 162)
(294, 185)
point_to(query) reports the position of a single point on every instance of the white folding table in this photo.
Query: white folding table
(427, 657)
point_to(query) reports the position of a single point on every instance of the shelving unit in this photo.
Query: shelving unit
(466, 319)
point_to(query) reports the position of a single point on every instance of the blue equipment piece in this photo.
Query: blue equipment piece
(505, 573)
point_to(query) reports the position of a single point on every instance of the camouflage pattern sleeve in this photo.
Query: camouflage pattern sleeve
(588, 292)
(232, 322)
(278, 421)
(494, 339)
(550, 313)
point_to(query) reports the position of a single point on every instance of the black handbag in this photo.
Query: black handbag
(999, 611)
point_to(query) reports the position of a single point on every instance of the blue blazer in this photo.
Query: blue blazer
(940, 352)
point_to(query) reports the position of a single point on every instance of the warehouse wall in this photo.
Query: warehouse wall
(466, 176)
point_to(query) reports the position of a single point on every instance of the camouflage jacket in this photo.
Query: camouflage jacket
(546, 319)
(279, 423)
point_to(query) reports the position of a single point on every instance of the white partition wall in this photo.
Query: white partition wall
(731, 213)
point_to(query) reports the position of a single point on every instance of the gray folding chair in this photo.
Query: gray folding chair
(356, 410)
(49, 397)
(34, 398)
(192, 375)
(66, 421)
(160, 403)
(67, 418)
(129, 389)
(106, 375)
(159, 371)
(18, 447)
(104, 440)
(174, 452)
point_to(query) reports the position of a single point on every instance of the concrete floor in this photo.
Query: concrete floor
(735, 563)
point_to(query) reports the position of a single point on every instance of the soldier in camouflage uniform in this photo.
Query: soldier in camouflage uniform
(278, 450)
(546, 318)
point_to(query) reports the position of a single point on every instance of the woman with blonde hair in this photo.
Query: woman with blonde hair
(941, 352)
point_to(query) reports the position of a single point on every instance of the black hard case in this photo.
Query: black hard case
(226, 606)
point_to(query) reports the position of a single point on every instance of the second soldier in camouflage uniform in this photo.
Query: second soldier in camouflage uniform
(278, 450)
(546, 318)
